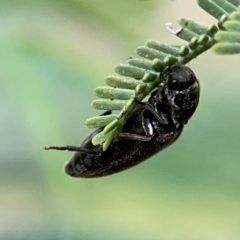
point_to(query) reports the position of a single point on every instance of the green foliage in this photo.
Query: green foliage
(224, 39)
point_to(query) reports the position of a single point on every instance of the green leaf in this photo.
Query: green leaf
(110, 138)
(129, 71)
(167, 49)
(227, 48)
(212, 8)
(113, 93)
(228, 7)
(121, 82)
(100, 138)
(235, 16)
(149, 77)
(232, 26)
(229, 37)
(104, 104)
(140, 63)
(100, 121)
(158, 65)
(187, 35)
(150, 53)
(110, 126)
(192, 26)
(235, 3)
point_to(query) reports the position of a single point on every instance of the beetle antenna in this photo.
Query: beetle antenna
(56, 148)
(73, 149)
(65, 148)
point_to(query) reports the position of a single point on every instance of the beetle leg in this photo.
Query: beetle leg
(148, 129)
(135, 137)
(147, 125)
(160, 117)
(73, 149)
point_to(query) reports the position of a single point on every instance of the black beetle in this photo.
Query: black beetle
(153, 126)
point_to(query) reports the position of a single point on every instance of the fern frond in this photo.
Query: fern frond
(139, 77)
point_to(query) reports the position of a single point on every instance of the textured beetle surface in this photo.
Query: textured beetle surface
(153, 126)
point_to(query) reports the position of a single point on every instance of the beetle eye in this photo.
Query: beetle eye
(173, 84)
(180, 78)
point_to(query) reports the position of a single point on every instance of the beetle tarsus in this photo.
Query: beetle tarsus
(57, 148)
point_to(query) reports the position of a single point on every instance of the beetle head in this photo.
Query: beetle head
(180, 92)
(178, 78)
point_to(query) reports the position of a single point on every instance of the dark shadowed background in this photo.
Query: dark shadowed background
(53, 54)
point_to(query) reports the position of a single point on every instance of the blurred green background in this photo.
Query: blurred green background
(53, 54)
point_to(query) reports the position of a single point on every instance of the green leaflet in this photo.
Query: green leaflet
(113, 93)
(100, 121)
